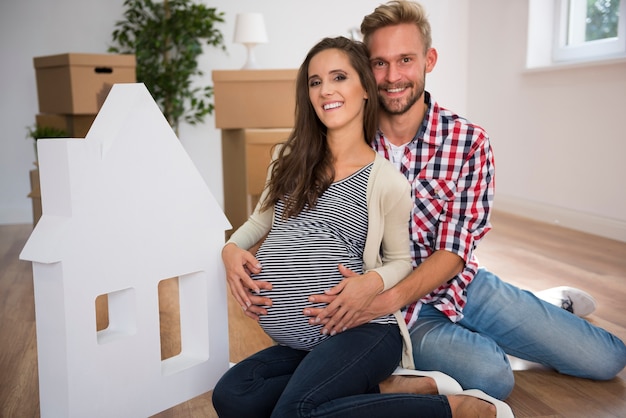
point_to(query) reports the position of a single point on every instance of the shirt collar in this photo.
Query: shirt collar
(428, 131)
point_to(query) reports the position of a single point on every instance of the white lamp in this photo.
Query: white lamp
(250, 31)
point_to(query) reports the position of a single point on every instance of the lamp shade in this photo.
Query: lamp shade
(250, 29)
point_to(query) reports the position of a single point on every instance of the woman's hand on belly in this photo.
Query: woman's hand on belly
(256, 309)
(239, 264)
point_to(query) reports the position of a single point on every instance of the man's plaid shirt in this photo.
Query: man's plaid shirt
(451, 167)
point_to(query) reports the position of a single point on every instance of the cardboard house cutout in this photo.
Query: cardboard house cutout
(124, 209)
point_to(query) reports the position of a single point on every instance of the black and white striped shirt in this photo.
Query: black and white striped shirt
(301, 254)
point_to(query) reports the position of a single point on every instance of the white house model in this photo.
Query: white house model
(124, 209)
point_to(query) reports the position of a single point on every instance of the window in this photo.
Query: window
(565, 32)
(589, 29)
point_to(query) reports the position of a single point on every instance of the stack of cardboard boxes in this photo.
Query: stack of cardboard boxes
(71, 88)
(251, 125)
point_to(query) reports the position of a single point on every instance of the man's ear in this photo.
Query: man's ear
(431, 59)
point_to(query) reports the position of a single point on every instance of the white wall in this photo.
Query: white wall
(29, 29)
(39, 27)
(556, 135)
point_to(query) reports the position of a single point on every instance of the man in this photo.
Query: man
(463, 319)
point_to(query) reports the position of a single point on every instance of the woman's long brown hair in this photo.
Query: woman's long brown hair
(304, 167)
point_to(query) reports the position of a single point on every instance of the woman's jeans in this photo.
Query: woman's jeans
(338, 378)
(501, 319)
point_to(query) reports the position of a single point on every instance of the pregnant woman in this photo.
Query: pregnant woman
(329, 200)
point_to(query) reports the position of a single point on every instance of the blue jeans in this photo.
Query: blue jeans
(501, 319)
(338, 378)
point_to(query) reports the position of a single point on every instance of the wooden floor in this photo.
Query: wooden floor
(528, 254)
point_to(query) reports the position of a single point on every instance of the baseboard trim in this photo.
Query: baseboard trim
(585, 222)
(13, 216)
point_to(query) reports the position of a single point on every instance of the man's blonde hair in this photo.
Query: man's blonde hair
(396, 12)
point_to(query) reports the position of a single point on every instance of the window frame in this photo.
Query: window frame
(584, 50)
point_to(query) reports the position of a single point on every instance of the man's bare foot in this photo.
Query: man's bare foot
(463, 406)
(419, 385)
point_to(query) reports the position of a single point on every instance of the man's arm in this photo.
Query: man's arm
(434, 271)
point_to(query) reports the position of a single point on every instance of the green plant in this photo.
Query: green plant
(166, 38)
(37, 132)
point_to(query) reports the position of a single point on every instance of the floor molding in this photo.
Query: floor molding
(580, 221)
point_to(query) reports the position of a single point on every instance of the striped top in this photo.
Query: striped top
(300, 257)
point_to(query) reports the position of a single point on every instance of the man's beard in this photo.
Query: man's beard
(399, 106)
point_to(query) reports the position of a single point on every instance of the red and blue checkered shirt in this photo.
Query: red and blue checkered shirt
(451, 167)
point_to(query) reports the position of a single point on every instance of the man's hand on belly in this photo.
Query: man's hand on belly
(348, 303)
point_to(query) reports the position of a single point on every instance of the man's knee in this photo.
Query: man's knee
(495, 381)
(493, 377)
(602, 366)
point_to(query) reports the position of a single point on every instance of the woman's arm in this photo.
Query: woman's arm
(240, 263)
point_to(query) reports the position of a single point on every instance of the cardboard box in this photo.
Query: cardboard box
(259, 145)
(246, 154)
(77, 84)
(76, 126)
(35, 195)
(254, 98)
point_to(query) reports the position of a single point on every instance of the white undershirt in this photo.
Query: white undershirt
(396, 153)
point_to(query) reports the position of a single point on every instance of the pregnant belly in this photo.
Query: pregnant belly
(291, 287)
